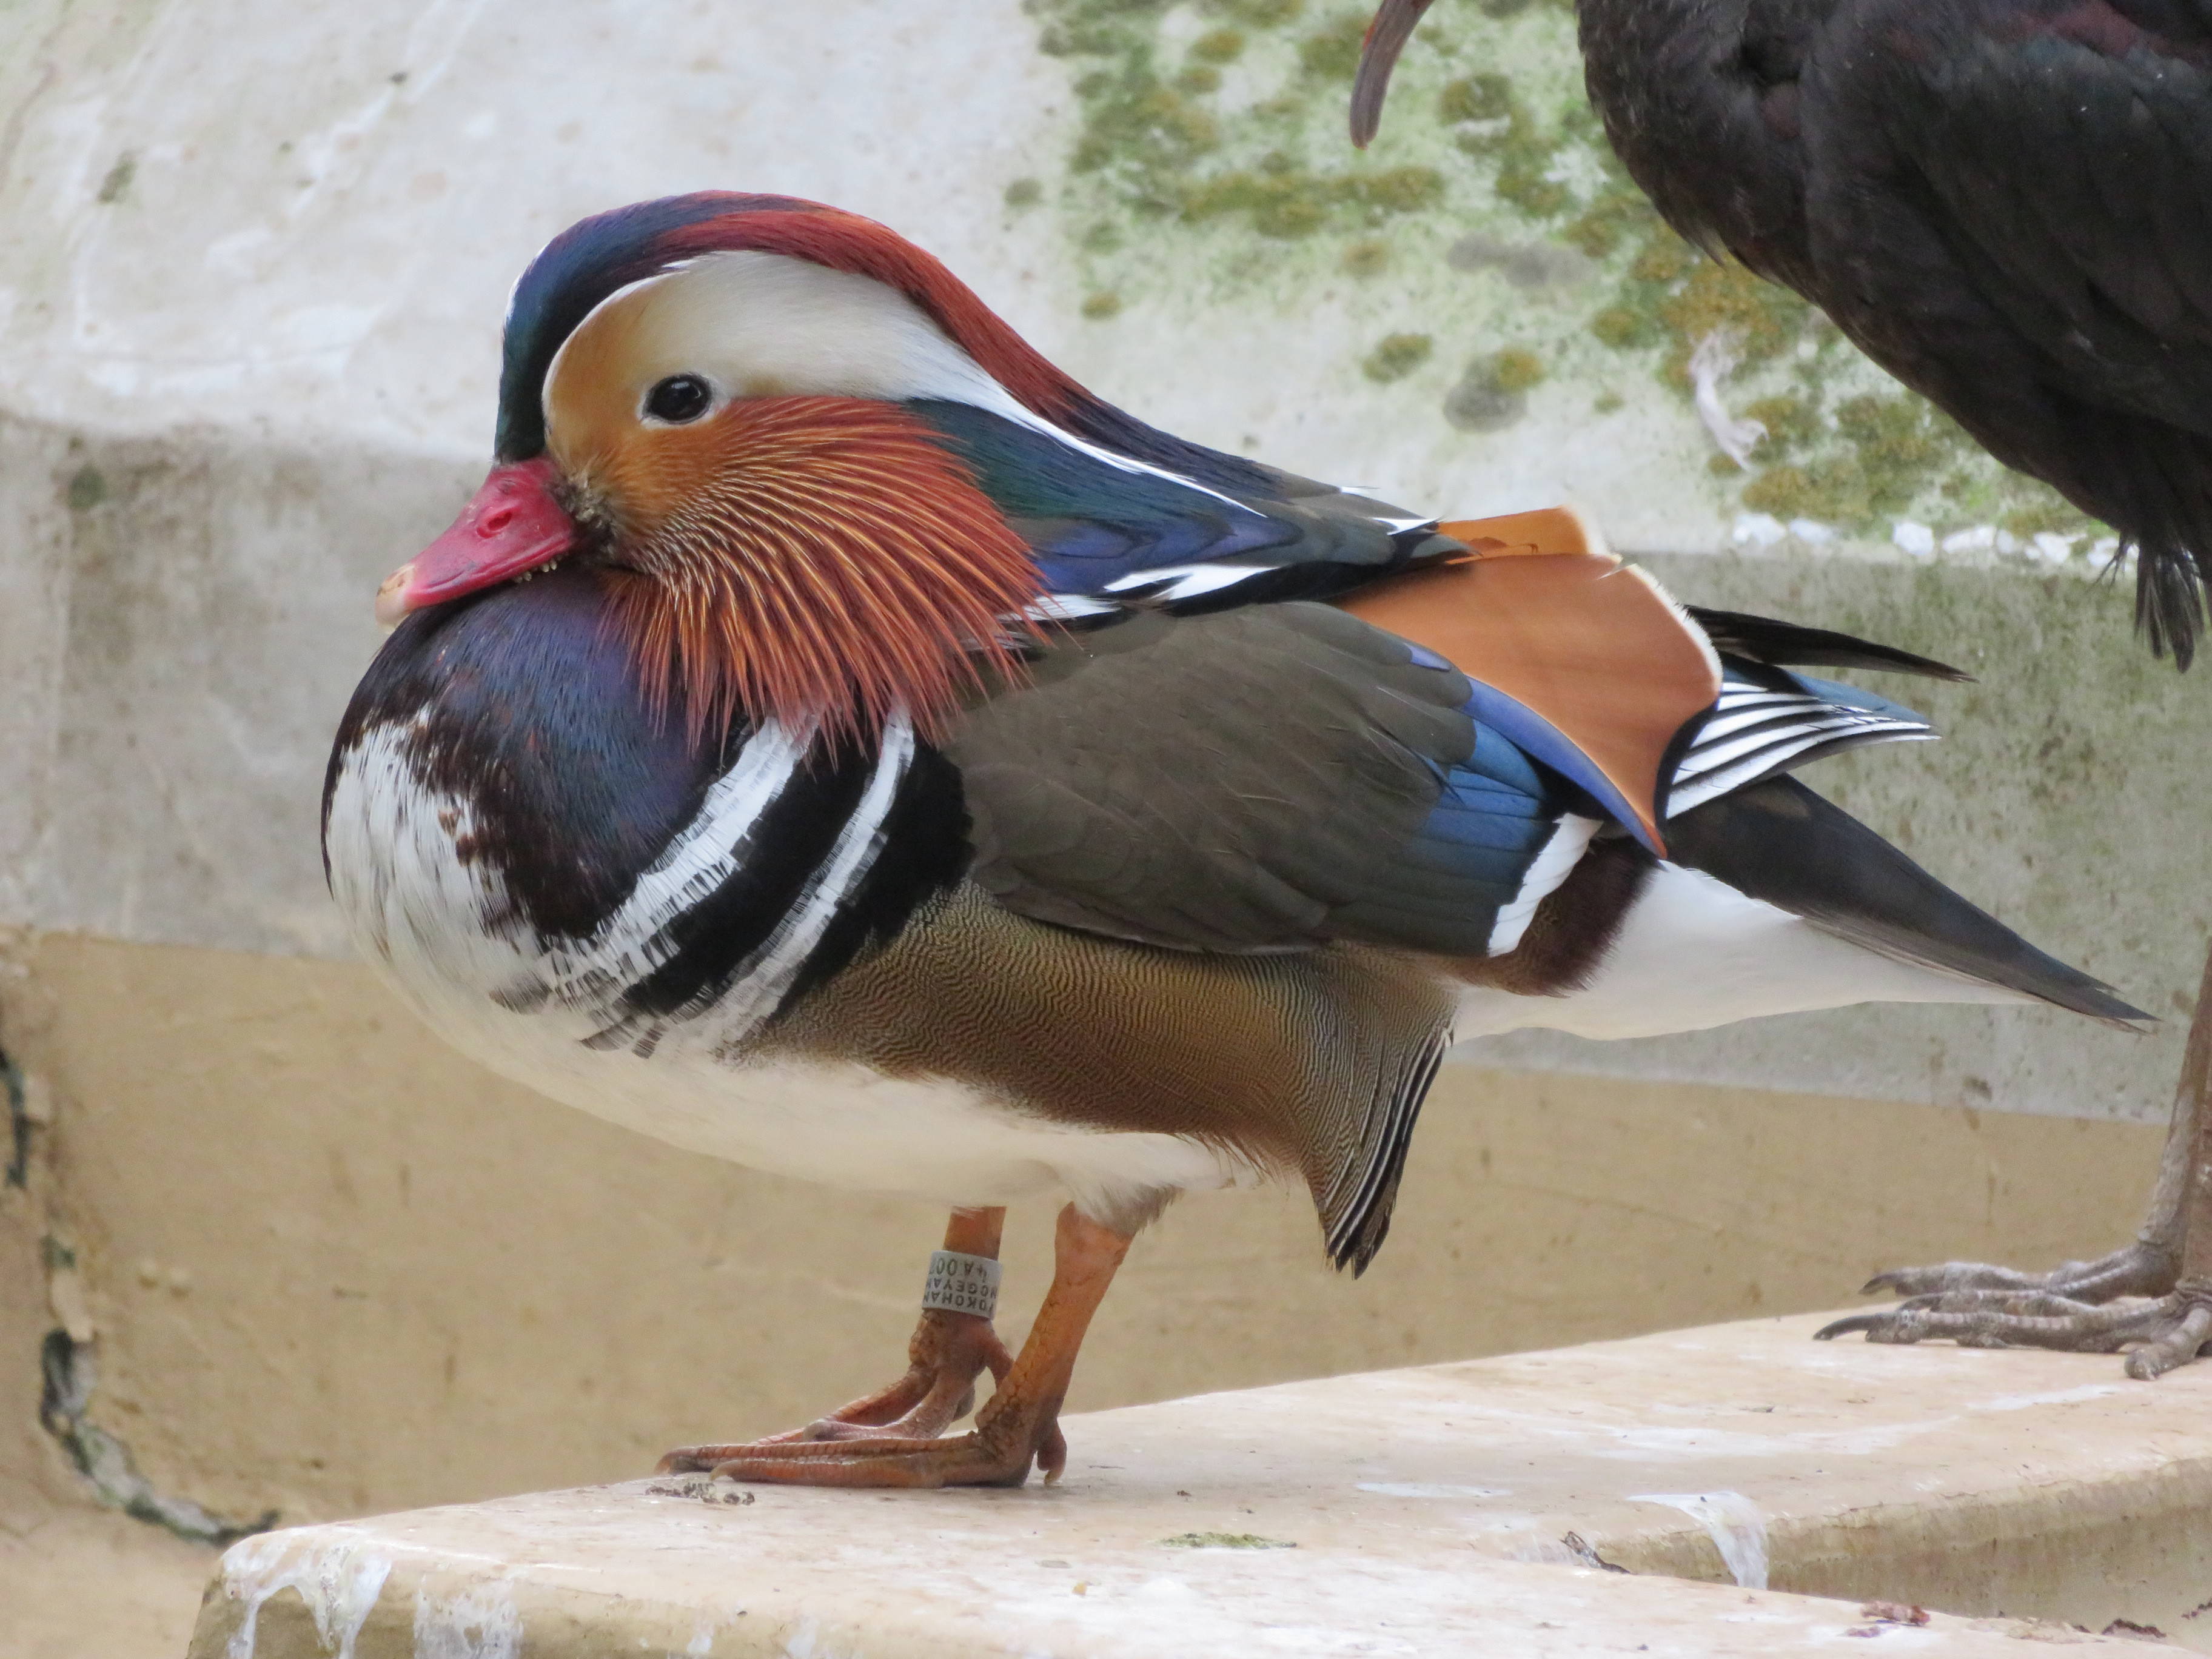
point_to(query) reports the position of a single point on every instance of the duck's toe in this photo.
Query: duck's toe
(949, 1353)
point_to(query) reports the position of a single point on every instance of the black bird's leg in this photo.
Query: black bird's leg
(2152, 1297)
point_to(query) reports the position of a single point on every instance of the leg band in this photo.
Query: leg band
(959, 1282)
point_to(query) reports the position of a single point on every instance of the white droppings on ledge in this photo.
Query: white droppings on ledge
(2052, 547)
(1812, 530)
(339, 1580)
(1918, 539)
(806, 1642)
(1738, 1528)
(1758, 529)
(2020, 1402)
(483, 1623)
(1710, 364)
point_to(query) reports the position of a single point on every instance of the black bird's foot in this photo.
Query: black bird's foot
(2152, 1298)
(2131, 1298)
(2161, 1332)
(2143, 1268)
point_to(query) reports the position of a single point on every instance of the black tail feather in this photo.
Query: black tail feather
(1779, 841)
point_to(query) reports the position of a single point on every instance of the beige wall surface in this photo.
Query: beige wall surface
(335, 1267)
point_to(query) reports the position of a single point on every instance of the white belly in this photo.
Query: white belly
(418, 913)
(841, 1125)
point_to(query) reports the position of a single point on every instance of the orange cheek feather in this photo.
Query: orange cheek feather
(821, 561)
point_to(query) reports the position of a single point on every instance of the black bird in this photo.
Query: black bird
(2006, 204)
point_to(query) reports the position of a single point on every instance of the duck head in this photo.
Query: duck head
(707, 400)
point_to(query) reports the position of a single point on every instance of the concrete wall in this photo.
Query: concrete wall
(338, 1268)
(248, 327)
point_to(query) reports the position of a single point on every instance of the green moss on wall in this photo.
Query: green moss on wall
(1368, 258)
(1261, 14)
(1210, 155)
(1515, 370)
(1475, 98)
(87, 489)
(1331, 54)
(1493, 393)
(1397, 356)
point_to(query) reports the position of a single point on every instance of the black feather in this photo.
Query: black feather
(1780, 843)
(2006, 204)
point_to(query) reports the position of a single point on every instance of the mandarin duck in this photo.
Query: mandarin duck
(2003, 203)
(834, 740)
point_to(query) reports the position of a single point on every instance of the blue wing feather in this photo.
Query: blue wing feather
(1495, 813)
(1098, 530)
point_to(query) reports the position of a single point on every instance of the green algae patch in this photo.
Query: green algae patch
(1224, 1540)
(1398, 355)
(1218, 47)
(1332, 53)
(1515, 370)
(1791, 421)
(1370, 258)
(1493, 393)
(1284, 200)
(87, 489)
(1209, 164)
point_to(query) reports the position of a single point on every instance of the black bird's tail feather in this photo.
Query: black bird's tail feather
(2160, 481)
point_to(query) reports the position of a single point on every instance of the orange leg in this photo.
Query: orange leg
(947, 1352)
(1020, 1425)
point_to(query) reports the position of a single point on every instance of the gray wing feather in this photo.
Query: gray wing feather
(1234, 782)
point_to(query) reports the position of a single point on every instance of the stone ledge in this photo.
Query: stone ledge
(1426, 1511)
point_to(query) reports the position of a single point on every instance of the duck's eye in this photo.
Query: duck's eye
(679, 399)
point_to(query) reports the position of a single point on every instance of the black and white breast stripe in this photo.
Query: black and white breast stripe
(721, 927)
(797, 859)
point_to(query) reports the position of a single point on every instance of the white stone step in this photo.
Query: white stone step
(1414, 1512)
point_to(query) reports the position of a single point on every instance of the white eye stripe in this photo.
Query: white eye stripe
(783, 320)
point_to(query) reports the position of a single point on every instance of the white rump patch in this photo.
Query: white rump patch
(1693, 952)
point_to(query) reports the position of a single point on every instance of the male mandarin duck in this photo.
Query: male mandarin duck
(834, 740)
(2000, 202)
